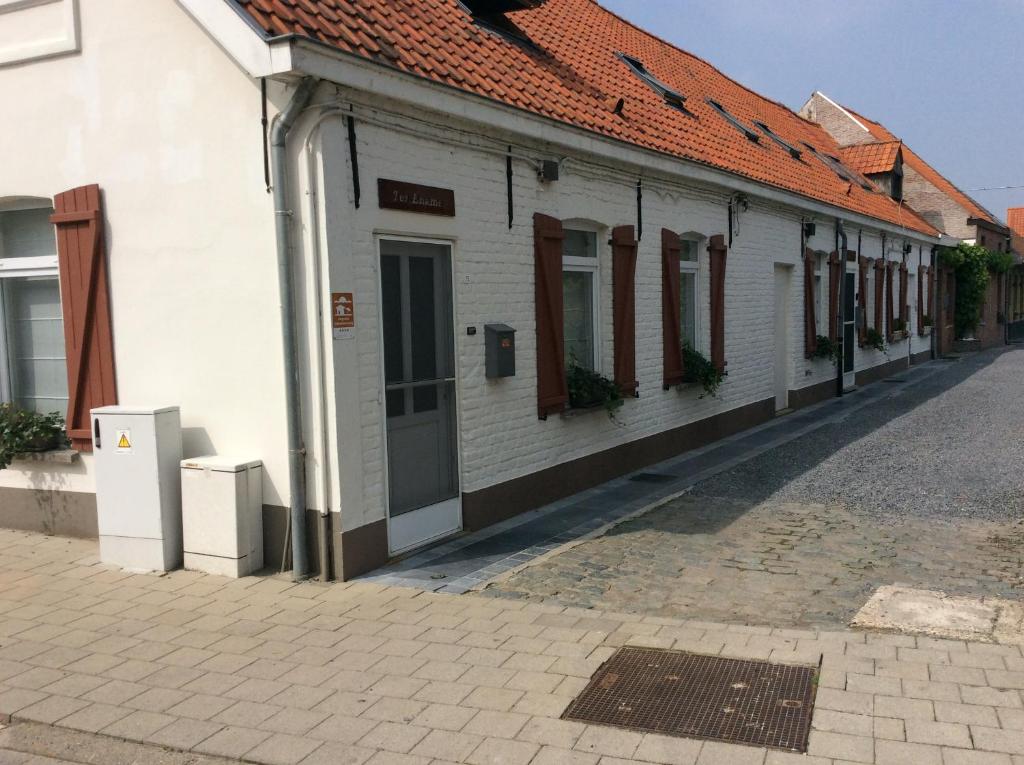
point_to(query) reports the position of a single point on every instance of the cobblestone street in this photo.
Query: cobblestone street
(803, 534)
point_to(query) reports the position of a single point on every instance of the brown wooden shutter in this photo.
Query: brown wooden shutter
(810, 318)
(922, 274)
(85, 301)
(862, 299)
(879, 294)
(834, 275)
(624, 250)
(904, 315)
(671, 325)
(888, 303)
(719, 253)
(552, 393)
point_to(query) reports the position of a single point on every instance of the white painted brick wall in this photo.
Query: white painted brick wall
(501, 437)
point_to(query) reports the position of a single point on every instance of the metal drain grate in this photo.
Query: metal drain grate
(653, 477)
(684, 694)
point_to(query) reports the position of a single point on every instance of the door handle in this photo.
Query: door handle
(96, 433)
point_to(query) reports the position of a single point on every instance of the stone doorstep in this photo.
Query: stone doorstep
(894, 608)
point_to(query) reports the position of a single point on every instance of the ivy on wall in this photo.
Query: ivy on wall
(974, 266)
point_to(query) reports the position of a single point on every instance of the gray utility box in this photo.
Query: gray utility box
(138, 490)
(500, 355)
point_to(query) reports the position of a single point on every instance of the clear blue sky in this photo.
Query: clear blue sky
(946, 76)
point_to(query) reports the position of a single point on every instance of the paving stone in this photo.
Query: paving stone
(968, 757)
(51, 709)
(232, 742)
(938, 733)
(901, 753)
(184, 734)
(447, 745)
(715, 753)
(498, 751)
(668, 750)
(997, 740)
(282, 749)
(550, 755)
(967, 714)
(394, 737)
(841, 746)
(138, 726)
(333, 753)
(608, 741)
(94, 717)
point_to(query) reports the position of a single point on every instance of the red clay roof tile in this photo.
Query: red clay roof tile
(571, 73)
(868, 158)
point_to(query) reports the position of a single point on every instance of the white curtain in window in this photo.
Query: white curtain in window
(35, 343)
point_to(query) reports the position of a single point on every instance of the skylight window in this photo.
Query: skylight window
(794, 152)
(750, 134)
(839, 168)
(672, 98)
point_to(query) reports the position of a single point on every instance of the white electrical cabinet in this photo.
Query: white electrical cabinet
(222, 515)
(138, 490)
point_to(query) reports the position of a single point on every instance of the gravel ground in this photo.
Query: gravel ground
(950, 447)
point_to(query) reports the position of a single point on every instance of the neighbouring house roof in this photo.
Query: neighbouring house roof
(1015, 220)
(929, 173)
(568, 69)
(870, 158)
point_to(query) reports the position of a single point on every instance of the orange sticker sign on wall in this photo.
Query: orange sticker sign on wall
(343, 314)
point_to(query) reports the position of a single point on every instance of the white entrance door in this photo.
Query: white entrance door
(419, 392)
(782, 355)
(849, 328)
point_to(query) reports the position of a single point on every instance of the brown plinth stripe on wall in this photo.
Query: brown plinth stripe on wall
(921, 358)
(502, 501)
(357, 551)
(868, 376)
(47, 511)
(812, 394)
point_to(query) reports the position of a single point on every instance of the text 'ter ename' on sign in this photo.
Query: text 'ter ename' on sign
(413, 197)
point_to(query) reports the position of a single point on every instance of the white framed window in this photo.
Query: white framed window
(33, 363)
(690, 294)
(581, 284)
(820, 313)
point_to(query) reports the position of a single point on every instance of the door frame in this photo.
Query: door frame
(456, 501)
(850, 378)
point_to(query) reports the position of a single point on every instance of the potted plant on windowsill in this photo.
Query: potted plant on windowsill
(698, 369)
(826, 348)
(874, 339)
(591, 390)
(23, 431)
(899, 330)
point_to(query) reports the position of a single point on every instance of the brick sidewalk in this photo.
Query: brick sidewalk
(272, 672)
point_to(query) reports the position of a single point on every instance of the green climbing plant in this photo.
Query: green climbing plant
(974, 266)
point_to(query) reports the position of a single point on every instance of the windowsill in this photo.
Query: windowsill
(926, 331)
(900, 336)
(54, 456)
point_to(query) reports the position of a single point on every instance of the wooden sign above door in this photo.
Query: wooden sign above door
(413, 197)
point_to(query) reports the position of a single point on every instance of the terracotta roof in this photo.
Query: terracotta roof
(868, 158)
(1015, 220)
(570, 72)
(933, 176)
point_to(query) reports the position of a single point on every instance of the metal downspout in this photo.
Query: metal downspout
(293, 401)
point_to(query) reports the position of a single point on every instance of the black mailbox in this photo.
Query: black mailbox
(500, 343)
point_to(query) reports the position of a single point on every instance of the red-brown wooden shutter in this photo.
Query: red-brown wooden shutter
(888, 303)
(624, 249)
(862, 299)
(85, 301)
(810, 319)
(879, 295)
(671, 327)
(835, 270)
(552, 393)
(904, 315)
(719, 252)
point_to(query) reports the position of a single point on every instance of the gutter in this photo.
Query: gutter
(293, 401)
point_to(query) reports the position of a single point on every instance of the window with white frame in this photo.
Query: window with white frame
(820, 319)
(689, 293)
(580, 289)
(33, 365)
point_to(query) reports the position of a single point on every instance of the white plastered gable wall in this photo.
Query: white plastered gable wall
(150, 108)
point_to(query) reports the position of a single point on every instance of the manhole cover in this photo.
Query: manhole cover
(653, 477)
(684, 694)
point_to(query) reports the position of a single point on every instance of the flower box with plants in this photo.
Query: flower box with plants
(591, 390)
(926, 325)
(698, 369)
(899, 330)
(826, 348)
(24, 432)
(874, 339)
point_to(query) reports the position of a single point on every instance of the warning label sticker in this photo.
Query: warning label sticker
(123, 441)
